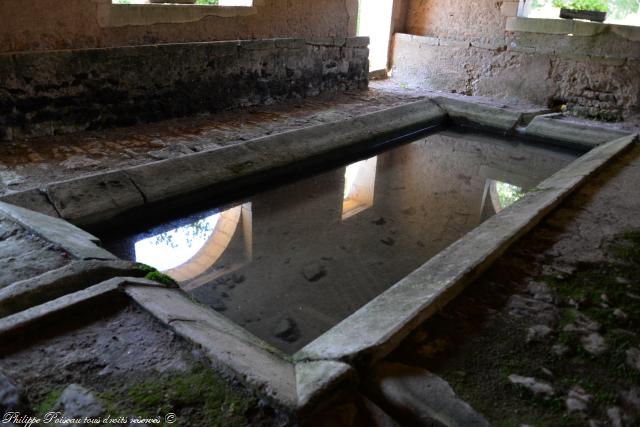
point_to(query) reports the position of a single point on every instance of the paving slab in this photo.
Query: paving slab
(78, 243)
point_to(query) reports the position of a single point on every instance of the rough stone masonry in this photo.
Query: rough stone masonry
(49, 93)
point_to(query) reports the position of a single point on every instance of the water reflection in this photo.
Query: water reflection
(175, 247)
(301, 257)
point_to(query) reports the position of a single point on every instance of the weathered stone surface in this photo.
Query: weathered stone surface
(78, 402)
(538, 333)
(56, 283)
(82, 89)
(253, 361)
(192, 173)
(12, 397)
(594, 343)
(24, 255)
(536, 387)
(578, 400)
(73, 240)
(420, 397)
(633, 358)
(96, 198)
(315, 379)
(475, 114)
(18, 322)
(35, 200)
(571, 132)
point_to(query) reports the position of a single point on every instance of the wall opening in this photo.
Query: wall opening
(374, 21)
(619, 12)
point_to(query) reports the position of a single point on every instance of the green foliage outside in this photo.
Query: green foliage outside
(508, 194)
(599, 5)
(617, 9)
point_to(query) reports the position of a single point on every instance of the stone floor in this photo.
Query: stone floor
(526, 345)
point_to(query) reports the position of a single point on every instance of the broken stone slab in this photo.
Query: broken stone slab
(78, 243)
(534, 386)
(78, 402)
(95, 198)
(474, 114)
(62, 281)
(419, 397)
(34, 199)
(573, 133)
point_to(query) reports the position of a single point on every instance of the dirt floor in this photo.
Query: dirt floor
(128, 365)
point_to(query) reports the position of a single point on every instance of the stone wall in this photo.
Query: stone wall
(28, 25)
(481, 48)
(45, 93)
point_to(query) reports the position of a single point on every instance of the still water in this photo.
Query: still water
(291, 262)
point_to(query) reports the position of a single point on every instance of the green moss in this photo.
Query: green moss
(161, 278)
(197, 397)
(155, 275)
(46, 404)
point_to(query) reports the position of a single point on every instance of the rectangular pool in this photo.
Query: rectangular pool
(291, 262)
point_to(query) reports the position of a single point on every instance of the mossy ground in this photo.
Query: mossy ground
(199, 397)
(486, 345)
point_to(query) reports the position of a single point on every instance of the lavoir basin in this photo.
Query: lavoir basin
(290, 262)
(306, 257)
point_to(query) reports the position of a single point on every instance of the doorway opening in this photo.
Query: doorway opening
(374, 21)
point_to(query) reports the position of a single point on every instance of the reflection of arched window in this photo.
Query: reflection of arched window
(188, 251)
(504, 194)
(359, 182)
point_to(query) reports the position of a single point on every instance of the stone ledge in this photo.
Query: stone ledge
(78, 243)
(56, 283)
(92, 200)
(568, 26)
(574, 133)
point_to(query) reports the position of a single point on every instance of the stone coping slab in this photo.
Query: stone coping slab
(34, 316)
(483, 116)
(53, 284)
(95, 199)
(75, 241)
(572, 132)
(311, 376)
